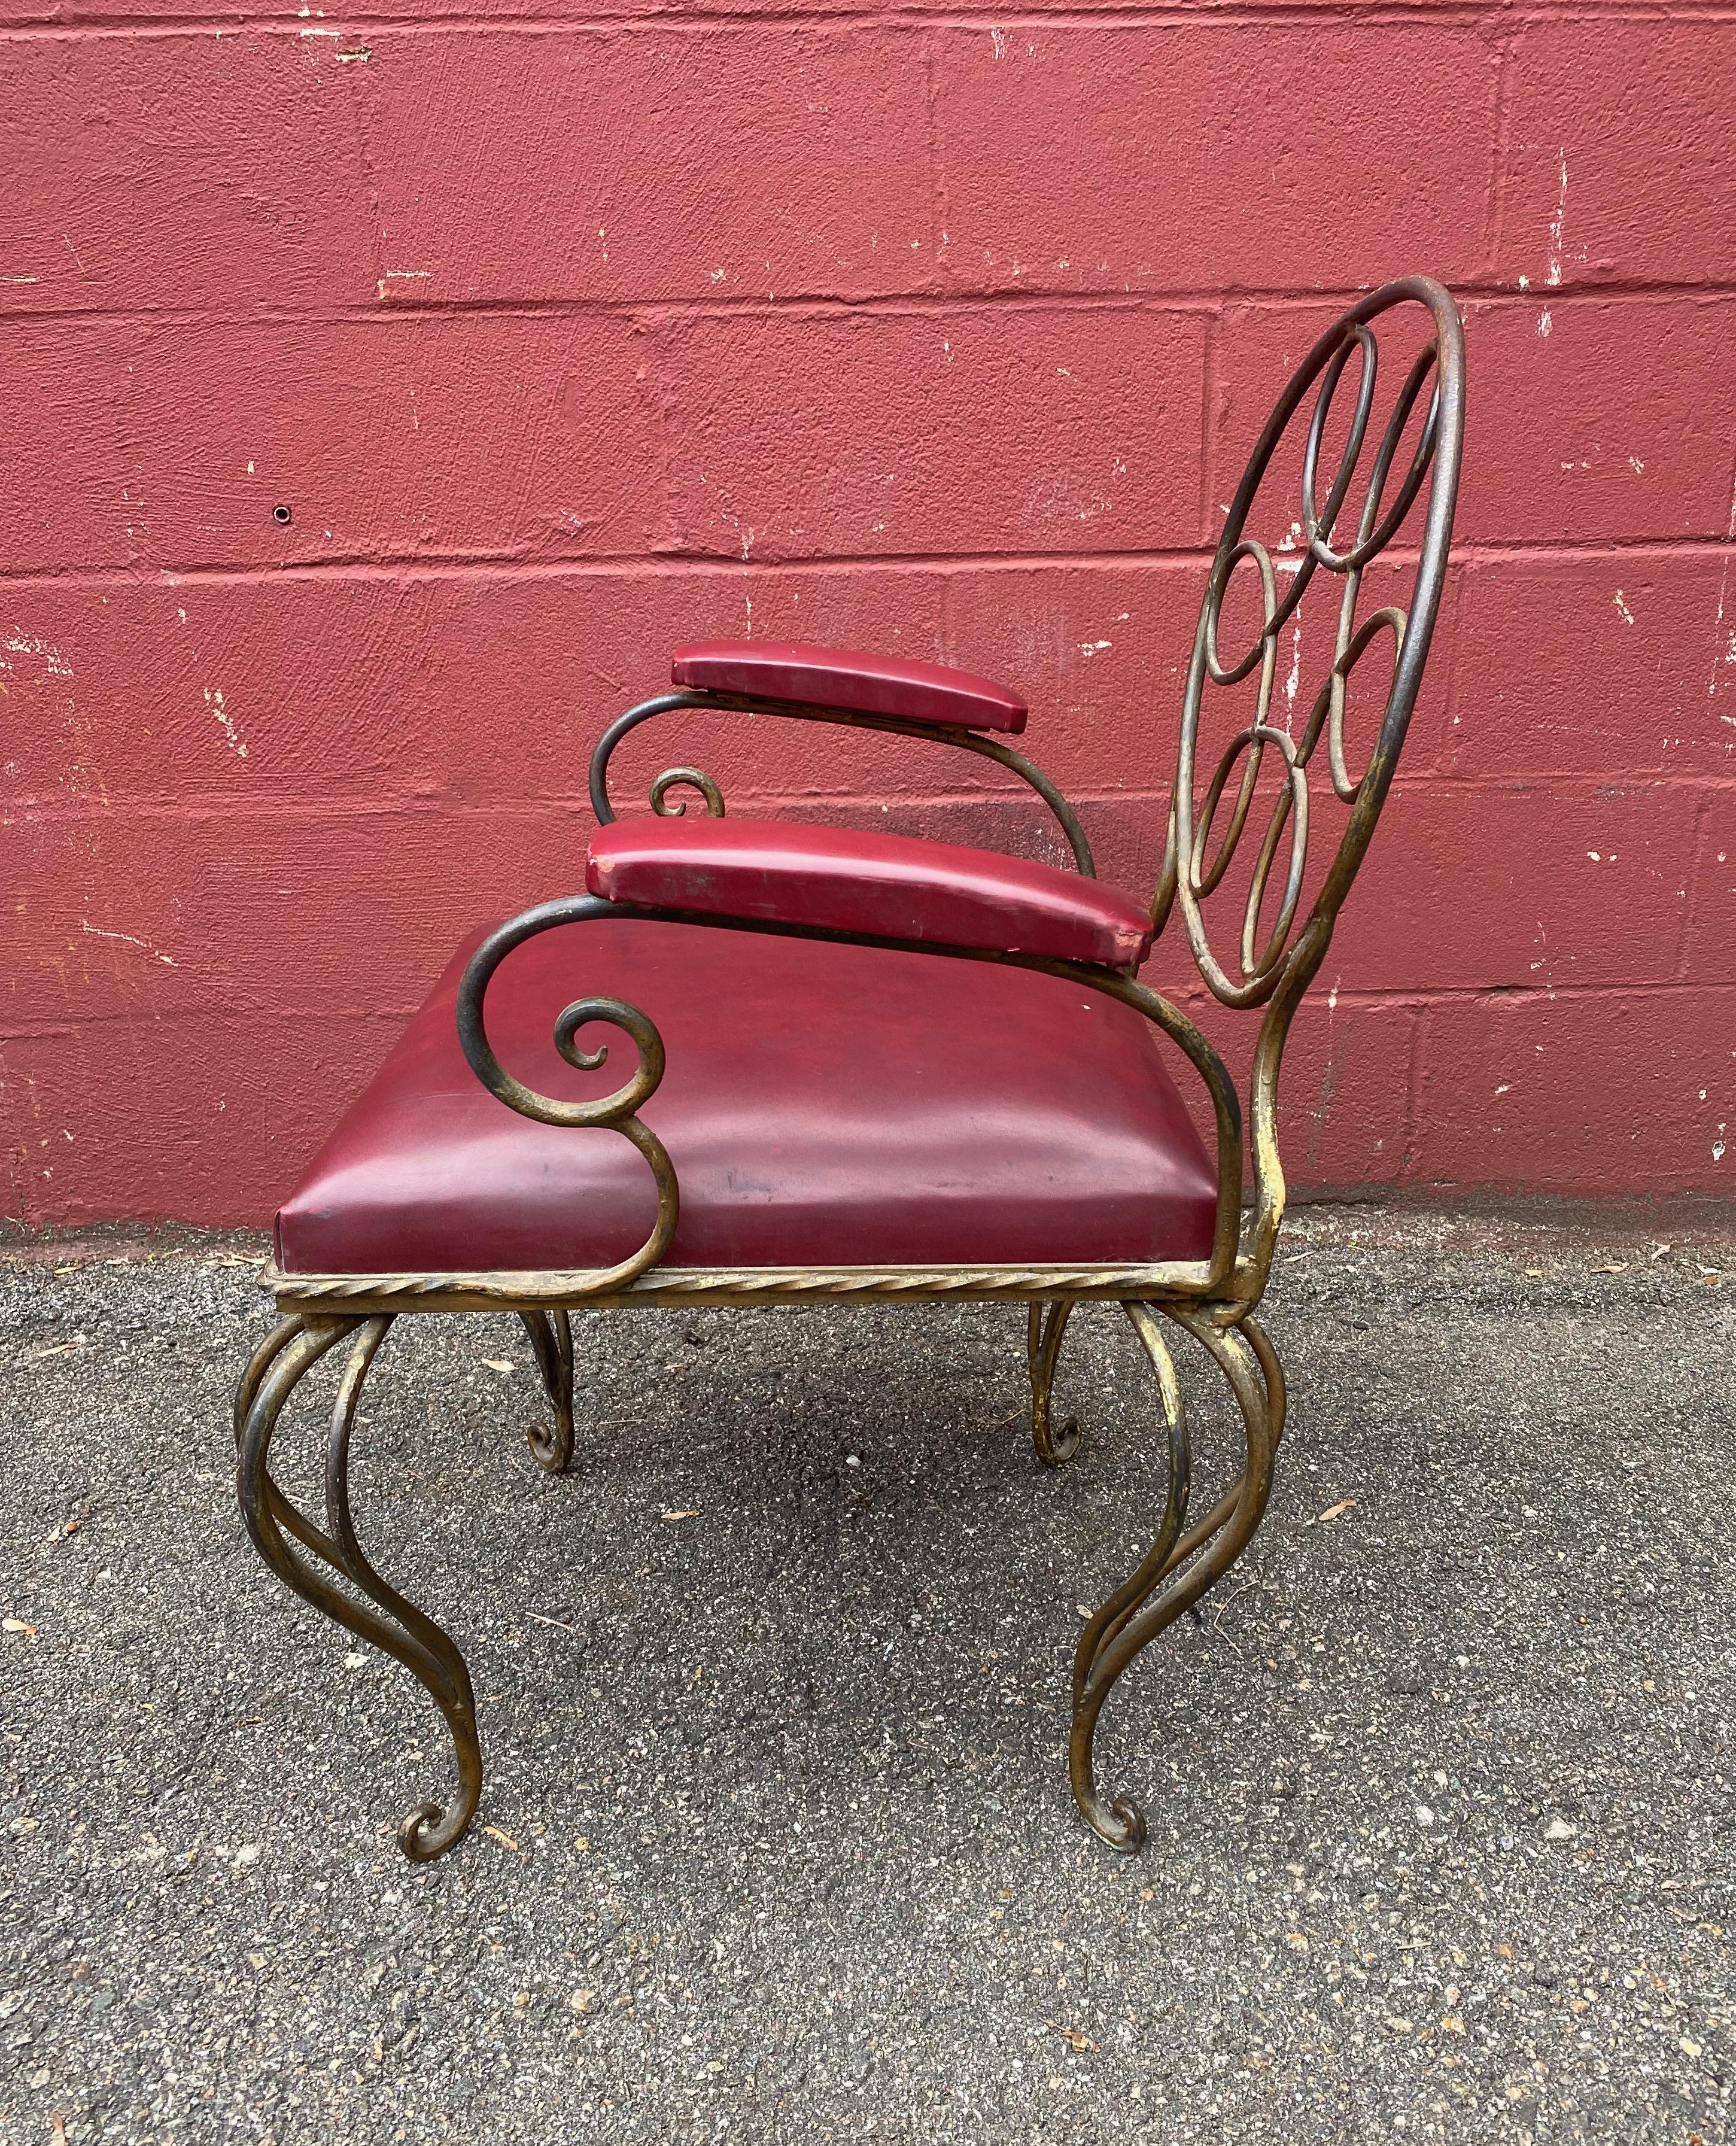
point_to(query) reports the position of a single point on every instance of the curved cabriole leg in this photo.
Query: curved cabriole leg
(282, 1535)
(1131, 1618)
(263, 1357)
(551, 1334)
(1046, 1324)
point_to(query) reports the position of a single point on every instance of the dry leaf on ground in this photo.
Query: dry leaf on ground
(1076, 2038)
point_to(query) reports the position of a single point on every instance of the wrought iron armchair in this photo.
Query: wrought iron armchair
(896, 1070)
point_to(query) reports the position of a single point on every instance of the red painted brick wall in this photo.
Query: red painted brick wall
(568, 336)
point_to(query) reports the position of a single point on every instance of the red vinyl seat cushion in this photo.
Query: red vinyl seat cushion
(890, 886)
(825, 1104)
(849, 678)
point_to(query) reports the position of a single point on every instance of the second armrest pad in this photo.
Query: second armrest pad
(849, 678)
(888, 887)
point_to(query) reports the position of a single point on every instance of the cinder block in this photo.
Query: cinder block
(104, 924)
(282, 690)
(974, 430)
(287, 14)
(1613, 417)
(1571, 664)
(705, 161)
(1618, 160)
(489, 688)
(188, 1117)
(567, 341)
(1582, 1092)
(1101, 652)
(1344, 1096)
(1256, 351)
(137, 914)
(1474, 885)
(1166, 156)
(1587, 419)
(1709, 950)
(220, 169)
(451, 437)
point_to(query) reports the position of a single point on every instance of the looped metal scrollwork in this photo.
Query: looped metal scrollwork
(1285, 930)
(1198, 857)
(615, 1111)
(685, 778)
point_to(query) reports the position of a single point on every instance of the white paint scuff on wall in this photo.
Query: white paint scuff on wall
(127, 939)
(56, 665)
(214, 701)
(1557, 225)
(1724, 638)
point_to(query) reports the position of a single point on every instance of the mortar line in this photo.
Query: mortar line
(116, 27)
(1206, 15)
(394, 568)
(298, 808)
(1482, 294)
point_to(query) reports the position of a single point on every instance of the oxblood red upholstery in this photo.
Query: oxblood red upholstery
(825, 1104)
(783, 872)
(849, 678)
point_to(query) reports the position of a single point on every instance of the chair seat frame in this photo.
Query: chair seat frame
(1214, 1300)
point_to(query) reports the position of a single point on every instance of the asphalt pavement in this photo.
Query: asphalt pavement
(776, 1842)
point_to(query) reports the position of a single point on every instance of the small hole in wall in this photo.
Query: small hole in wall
(282, 516)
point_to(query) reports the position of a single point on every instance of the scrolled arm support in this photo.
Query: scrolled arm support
(616, 1111)
(1220, 1281)
(961, 740)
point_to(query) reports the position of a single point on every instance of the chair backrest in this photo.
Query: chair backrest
(1276, 955)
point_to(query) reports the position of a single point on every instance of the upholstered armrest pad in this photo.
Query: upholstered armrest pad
(884, 886)
(849, 678)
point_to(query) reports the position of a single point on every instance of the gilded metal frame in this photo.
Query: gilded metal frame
(1214, 1300)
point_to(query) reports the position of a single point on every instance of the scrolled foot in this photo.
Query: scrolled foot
(1056, 1444)
(1119, 1822)
(551, 1334)
(1115, 1819)
(431, 1829)
(551, 1445)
